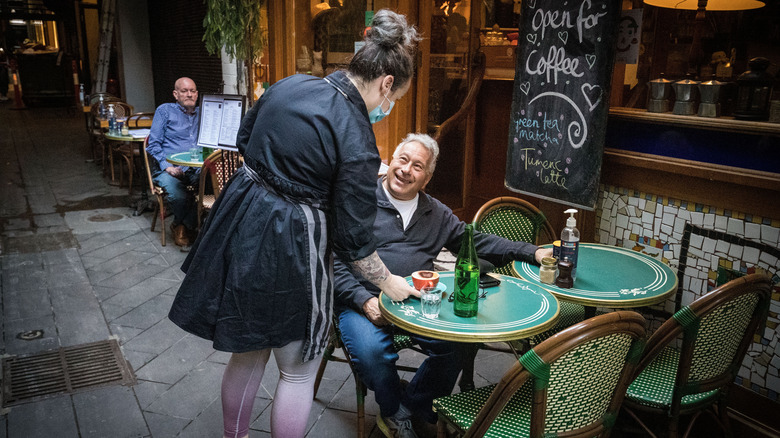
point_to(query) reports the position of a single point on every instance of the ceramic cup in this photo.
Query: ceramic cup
(421, 279)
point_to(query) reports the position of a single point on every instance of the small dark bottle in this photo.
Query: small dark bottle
(564, 279)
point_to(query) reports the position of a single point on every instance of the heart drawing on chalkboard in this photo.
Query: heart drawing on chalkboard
(531, 38)
(564, 36)
(531, 3)
(591, 59)
(592, 95)
(525, 87)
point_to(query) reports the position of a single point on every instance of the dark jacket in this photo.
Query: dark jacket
(260, 273)
(433, 226)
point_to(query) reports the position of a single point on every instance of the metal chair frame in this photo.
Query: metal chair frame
(128, 151)
(121, 109)
(697, 371)
(400, 342)
(95, 131)
(159, 194)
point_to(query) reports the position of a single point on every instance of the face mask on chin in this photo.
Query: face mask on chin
(377, 113)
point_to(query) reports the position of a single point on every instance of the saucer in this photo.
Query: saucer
(440, 286)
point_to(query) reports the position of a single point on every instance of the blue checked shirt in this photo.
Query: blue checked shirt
(173, 131)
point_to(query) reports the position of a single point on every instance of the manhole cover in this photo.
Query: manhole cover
(108, 217)
(30, 335)
(64, 371)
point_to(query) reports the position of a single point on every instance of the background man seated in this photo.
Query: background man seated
(175, 129)
(411, 228)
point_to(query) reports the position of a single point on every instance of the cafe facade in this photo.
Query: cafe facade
(696, 192)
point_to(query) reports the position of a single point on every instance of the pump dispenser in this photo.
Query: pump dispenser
(570, 242)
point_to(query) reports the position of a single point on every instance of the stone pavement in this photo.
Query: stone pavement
(78, 266)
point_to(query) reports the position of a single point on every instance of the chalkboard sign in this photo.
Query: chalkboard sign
(561, 99)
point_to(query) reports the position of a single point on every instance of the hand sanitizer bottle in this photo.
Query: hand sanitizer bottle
(570, 242)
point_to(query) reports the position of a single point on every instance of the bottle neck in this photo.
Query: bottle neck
(467, 253)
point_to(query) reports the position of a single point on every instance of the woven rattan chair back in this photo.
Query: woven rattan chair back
(692, 359)
(518, 220)
(513, 219)
(107, 97)
(572, 383)
(400, 341)
(217, 169)
(140, 120)
(157, 192)
(122, 109)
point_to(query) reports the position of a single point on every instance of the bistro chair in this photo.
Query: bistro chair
(129, 150)
(401, 341)
(107, 97)
(514, 219)
(572, 385)
(693, 358)
(95, 129)
(217, 169)
(158, 193)
(121, 109)
(520, 221)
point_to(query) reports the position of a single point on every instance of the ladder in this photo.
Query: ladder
(104, 53)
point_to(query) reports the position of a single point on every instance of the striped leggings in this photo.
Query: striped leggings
(292, 400)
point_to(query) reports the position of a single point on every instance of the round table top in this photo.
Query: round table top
(183, 159)
(611, 276)
(514, 309)
(121, 137)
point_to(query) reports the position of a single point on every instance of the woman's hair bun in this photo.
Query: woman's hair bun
(389, 49)
(389, 29)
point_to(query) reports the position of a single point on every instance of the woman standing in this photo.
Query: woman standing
(260, 276)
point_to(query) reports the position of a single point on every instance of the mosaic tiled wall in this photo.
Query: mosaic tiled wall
(707, 242)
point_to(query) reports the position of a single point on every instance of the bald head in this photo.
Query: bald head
(186, 93)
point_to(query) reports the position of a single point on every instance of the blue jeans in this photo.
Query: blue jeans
(181, 201)
(374, 358)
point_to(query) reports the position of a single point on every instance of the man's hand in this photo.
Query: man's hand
(174, 171)
(542, 253)
(371, 310)
(397, 289)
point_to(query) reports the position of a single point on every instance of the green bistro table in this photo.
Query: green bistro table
(610, 276)
(183, 159)
(514, 309)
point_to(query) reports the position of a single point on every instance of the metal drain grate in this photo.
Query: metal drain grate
(64, 371)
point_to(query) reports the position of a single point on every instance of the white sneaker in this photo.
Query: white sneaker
(392, 427)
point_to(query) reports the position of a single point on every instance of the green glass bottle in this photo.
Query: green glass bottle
(466, 291)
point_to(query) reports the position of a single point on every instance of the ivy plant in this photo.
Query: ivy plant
(234, 25)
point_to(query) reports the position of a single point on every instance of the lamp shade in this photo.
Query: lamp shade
(712, 5)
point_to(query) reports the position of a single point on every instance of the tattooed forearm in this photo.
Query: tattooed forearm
(372, 268)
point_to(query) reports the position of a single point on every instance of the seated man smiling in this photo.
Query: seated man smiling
(411, 229)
